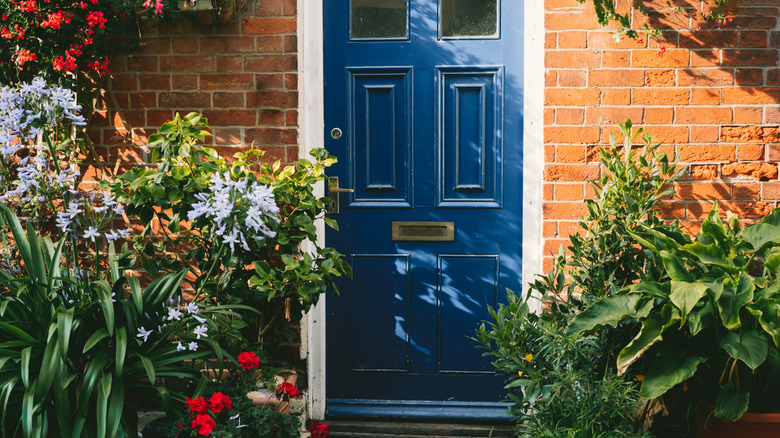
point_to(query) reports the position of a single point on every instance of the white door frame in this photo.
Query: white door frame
(312, 134)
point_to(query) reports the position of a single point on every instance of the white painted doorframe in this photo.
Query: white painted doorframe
(312, 134)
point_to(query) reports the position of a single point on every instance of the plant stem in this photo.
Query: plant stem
(208, 274)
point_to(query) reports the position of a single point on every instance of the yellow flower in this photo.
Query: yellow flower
(639, 377)
(520, 373)
(529, 357)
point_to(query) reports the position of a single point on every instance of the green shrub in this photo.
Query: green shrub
(564, 385)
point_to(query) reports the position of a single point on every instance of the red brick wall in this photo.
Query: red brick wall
(243, 75)
(712, 97)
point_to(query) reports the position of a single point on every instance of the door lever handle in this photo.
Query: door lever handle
(333, 194)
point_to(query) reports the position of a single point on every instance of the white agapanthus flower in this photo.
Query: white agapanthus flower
(174, 313)
(200, 331)
(239, 210)
(143, 333)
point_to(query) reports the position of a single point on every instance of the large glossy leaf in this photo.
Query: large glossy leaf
(685, 295)
(610, 311)
(751, 347)
(758, 235)
(699, 318)
(712, 229)
(731, 404)
(710, 254)
(675, 267)
(671, 368)
(735, 295)
(768, 314)
(651, 332)
(660, 290)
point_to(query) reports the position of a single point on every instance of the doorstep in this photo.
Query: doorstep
(387, 428)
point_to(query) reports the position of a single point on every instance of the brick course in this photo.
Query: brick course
(243, 75)
(713, 97)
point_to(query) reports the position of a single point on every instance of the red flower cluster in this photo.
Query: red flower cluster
(24, 55)
(318, 429)
(199, 408)
(286, 390)
(55, 20)
(248, 360)
(15, 32)
(204, 424)
(96, 18)
(58, 35)
(219, 401)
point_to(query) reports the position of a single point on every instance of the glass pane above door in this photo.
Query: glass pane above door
(379, 19)
(468, 18)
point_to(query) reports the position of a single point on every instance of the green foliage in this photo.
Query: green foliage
(279, 276)
(566, 384)
(71, 363)
(604, 258)
(556, 381)
(715, 313)
(712, 12)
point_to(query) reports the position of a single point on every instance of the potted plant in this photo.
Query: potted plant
(710, 322)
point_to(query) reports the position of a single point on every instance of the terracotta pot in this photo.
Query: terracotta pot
(749, 426)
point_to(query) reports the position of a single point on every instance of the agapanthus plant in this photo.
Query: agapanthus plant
(82, 339)
(36, 152)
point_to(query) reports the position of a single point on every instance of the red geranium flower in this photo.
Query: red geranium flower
(197, 406)
(318, 429)
(219, 401)
(96, 18)
(248, 360)
(205, 423)
(286, 390)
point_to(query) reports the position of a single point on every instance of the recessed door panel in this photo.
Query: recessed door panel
(469, 154)
(380, 312)
(380, 118)
(467, 285)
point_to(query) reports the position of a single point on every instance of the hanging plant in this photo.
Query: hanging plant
(659, 14)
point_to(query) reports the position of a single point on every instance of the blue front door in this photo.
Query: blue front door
(423, 108)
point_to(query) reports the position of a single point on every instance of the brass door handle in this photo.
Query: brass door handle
(333, 194)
